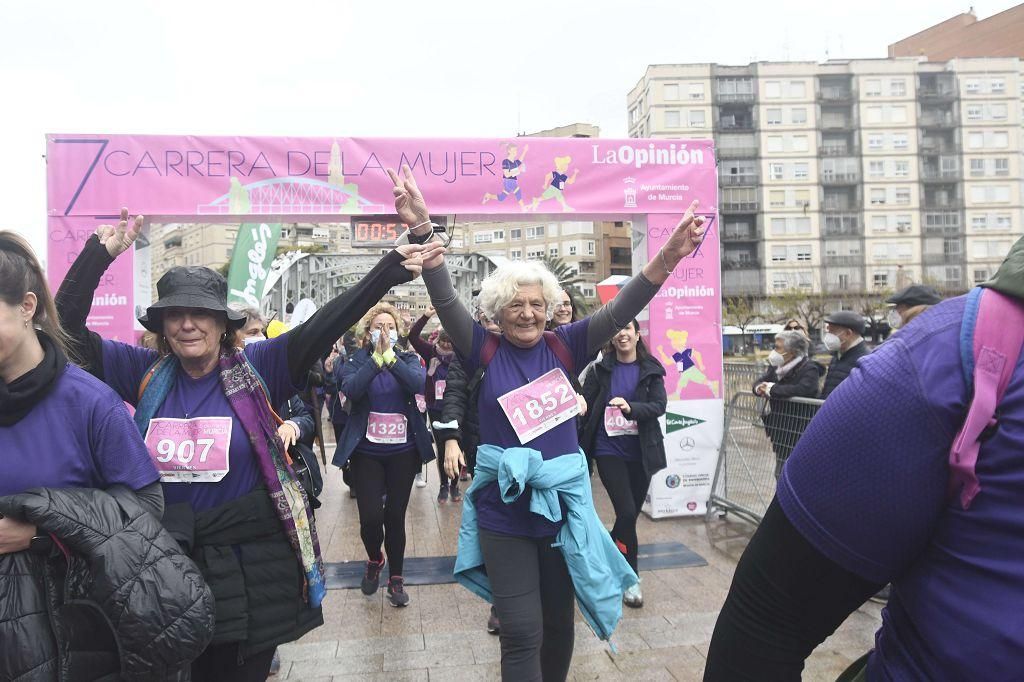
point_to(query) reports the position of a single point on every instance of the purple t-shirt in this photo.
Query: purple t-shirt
(386, 396)
(78, 436)
(510, 368)
(866, 485)
(124, 367)
(625, 377)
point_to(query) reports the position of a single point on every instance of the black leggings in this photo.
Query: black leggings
(219, 663)
(439, 446)
(626, 483)
(382, 522)
(534, 599)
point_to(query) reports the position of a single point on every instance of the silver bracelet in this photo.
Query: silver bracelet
(664, 263)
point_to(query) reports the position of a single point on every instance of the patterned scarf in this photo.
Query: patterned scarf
(248, 396)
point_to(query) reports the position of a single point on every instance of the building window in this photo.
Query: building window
(590, 248)
(800, 171)
(902, 196)
(777, 198)
(997, 85)
(773, 116)
(874, 114)
(534, 232)
(778, 227)
(802, 225)
(880, 223)
(875, 142)
(696, 118)
(778, 254)
(572, 249)
(696, 91)
(515, 233)
(1000, 140)
(672, 119)
(881, 280)
(977, 168)
(1004, 221)
(797, 89)
(803, 252)
(670, 91)
(903, 223)
(898, 114)
(898, 88)
(899, 141)
(482, 238)
(775, 171)
(800, 143)
(872, 87)
(972, 86)
(772, 89)
(799, 116)
(535, 254)
(974, 112)
(1002, 166)
(499, 235)
(876, 169)
(877, 197)
(998, 112)
(976, 140)
(980, 276)
(901, 169)
(515, 254)
(553, 252)
(775, 143)
(979, 222)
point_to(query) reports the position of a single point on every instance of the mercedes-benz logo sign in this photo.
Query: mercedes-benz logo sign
(687, 444)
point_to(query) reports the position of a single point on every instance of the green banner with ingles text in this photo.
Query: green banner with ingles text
(254, 251)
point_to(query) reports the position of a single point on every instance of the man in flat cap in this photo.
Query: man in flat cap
(844, 337)
(910, 302)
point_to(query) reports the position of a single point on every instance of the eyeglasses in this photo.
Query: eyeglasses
(563, 305)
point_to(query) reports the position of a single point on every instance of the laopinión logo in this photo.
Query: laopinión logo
(678, 422)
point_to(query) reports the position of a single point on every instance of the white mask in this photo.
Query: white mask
(894, 319)
(776, 359)
(392, 336)
(831, 342)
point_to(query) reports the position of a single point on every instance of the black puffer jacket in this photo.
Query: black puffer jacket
(119, 584)
(647, 403)
(461, 395)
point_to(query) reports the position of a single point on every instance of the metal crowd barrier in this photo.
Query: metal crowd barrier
(757, 441)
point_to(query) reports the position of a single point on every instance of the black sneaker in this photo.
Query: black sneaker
(371, 581)
(442, 494)
(493, 626)
(455, 492)
(396, 591)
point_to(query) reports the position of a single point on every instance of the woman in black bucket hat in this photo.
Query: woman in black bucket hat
(203, 407)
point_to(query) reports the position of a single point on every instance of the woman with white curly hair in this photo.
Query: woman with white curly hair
(514, 548)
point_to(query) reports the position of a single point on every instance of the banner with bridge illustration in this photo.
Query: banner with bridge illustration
(286, 179)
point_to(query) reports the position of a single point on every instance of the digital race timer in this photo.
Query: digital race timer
(381, 231)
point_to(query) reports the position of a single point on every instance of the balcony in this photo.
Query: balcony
(936, 119)
(749, 235)
(933, 174)
(735, 98)
(838, 150)
(830, 179)
(740, 264)
(749, 180)
(838, 123)
(931, 204)
(840, 206)
(745, 206)
(848, 260)
(942, 225)
(734, 126)
(936, 93)
(934, 147)
(842, 225)
(942, 259)
(738, 152)
(835, 94)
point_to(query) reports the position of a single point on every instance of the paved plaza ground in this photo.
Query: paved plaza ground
(441, 635)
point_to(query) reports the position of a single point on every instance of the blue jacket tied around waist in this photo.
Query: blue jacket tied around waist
(598, 569)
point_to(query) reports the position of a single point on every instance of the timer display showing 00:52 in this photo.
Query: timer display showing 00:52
(374, 233)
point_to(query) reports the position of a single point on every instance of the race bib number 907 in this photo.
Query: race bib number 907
(540, 405)
(190, 450)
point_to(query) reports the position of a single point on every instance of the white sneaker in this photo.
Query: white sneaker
(633, 597)
(421, 481)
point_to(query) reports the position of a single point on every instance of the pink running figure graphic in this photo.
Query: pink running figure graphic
(688, 361)
(554, 184)
(511, 169)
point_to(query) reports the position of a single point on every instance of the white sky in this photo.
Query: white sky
(376, 68)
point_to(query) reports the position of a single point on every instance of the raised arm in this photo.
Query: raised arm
(424, 348)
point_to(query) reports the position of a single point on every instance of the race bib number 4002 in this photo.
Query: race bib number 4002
(190, 450)
(540, 405)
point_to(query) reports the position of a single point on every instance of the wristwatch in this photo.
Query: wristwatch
(40, 544)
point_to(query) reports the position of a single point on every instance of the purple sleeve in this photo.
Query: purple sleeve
(866, 483)
(575, 336)
(124, 366)
(270, 358)
(118, 451)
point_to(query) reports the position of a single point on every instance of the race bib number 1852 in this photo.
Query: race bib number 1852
(540, 405)
(190, 450)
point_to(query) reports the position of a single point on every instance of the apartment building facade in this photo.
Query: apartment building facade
(851, 177)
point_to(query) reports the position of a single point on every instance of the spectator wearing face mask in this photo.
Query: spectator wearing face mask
(844, 338)
(792, 374)
(910, 302)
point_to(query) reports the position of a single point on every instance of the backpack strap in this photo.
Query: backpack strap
(490, 347)
(564, 355)
(991, 336)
